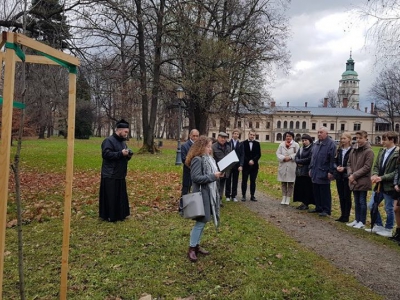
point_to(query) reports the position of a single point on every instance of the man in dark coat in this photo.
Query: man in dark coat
(251, 155)
(113, 202)
(233, 179)
(321, 172)
(186, 180)
(221, 149)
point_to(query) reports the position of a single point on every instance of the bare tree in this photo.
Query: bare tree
(383, 34)
(333, 99)
(386, 93)
(223, 48)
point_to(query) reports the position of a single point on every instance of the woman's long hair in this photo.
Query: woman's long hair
(197, 149)
(339, 147)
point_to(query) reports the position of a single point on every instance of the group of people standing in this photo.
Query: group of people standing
(306, 173)
(201, 156)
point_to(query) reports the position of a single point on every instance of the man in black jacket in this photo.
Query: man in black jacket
(252, 153)
(113, 201)
(221, 149)
(186, 181)
(233, 178)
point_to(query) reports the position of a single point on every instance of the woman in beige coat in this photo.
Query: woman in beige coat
(286, 154)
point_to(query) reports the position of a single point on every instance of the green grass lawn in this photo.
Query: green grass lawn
(251, 259)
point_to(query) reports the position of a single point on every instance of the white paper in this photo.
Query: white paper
(228, 161)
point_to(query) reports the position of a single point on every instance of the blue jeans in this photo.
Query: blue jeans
(360, 203)
(389, 209)
(196, 233)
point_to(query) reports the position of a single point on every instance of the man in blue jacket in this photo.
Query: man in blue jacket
(321, 172)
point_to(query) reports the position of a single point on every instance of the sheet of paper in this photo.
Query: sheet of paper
(228, 161)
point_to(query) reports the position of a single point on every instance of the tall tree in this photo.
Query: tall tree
(383, 34)
(386, 93)
(333, 99)
(225, 47)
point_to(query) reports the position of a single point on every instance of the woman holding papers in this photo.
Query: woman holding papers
(286, 154)
(204, 174)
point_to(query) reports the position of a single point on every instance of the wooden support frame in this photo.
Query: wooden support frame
(10, 58)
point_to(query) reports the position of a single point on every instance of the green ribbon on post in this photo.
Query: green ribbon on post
(71, 68)
(17, 50)
(15, 104)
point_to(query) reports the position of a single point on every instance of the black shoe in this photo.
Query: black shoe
(323, 214)
(244, 199)
(302, 207)
(253, 199)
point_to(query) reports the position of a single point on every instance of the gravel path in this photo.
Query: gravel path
(375, 266)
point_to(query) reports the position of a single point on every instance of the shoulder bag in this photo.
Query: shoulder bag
(193, 206)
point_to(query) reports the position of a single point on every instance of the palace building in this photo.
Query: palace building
(271, 121)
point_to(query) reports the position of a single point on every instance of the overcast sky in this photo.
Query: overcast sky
(322, 34)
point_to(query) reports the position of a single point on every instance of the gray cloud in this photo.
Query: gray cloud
(323, 32)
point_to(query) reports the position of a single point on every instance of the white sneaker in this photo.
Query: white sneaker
(351, 224)
(235, 199)
(375, 229)
(359, 225)
(385, 232)
(228, 199)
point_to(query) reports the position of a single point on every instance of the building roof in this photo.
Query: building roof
(381, 121)
(354, 73)
(319, 111)
(325, 111)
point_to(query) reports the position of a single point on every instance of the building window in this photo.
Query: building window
(268, 125)
(397, 127)
(297, 125)
(257, 137)
(291, 125)
(278, 124)
(342, 127)
(313, 126)
(324, 124)
(279, 137)
(239, 124)
(267, 137)
(214, 122)
(357, 127)
(304, 126)
(257, 124)
(285, 124)
(332, 126)
(228, 123)
(250, 124)
(214, 135)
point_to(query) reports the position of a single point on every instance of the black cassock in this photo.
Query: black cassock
(113, 200)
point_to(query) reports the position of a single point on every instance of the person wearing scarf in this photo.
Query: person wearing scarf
(286, 154)
(204, 174)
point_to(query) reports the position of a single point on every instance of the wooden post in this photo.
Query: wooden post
(5, 146)
(68, 186)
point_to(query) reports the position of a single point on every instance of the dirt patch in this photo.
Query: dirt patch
(374, 265)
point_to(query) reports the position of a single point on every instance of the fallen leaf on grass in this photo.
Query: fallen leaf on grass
(12, 223)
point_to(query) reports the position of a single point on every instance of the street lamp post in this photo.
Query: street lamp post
(180, 94)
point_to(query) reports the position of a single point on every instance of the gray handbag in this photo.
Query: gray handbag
(193, 205)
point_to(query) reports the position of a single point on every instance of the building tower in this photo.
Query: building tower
(349, 87)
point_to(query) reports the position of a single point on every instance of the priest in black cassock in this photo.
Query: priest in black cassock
(113, 202)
